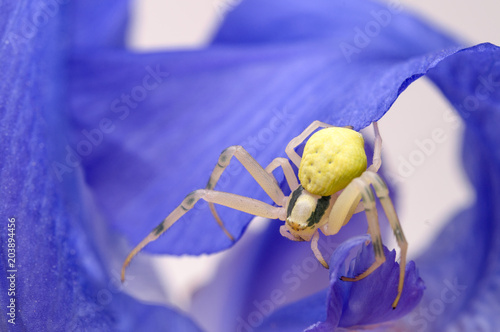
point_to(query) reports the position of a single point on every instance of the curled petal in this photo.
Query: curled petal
(367, 302)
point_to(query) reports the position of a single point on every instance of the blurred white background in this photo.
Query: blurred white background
(430, 190)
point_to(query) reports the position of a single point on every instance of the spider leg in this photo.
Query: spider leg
(314, 243)
(237, 202)
(345, 205)
(290, 148)
(383, 195)
(315, 249)
(285, 233)
(374, 167)
(263, 178)
(377, 150)
(219, 221)
(290, 177)
(373, 227)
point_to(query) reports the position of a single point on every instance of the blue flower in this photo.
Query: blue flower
(101, 142)
(461, 293)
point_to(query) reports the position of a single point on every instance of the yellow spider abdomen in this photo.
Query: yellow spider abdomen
(332, 158)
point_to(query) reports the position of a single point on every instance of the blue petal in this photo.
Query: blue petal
(134, 316)
(170, 115)
(370, 300)
(395, 78)
(312, 316)
(58, 274)
(448, 78)
(403, 73)
(461, 267)
(461, 292)
(364, 25)
(351, 304)
(98, 24)
(326, 306)
(264, 272)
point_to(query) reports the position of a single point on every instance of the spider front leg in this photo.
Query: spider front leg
(314, 243)
(286, 234)
(263, 178)
(345, 206)
(296, 141)
(368, 198)
(383, 195)
(316, 251)
(237, 202)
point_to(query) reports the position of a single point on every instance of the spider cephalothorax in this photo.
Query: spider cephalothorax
(334, 184)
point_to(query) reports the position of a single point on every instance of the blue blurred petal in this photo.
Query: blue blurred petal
(461, 267)
(134, 316)
(262, 273)
(60, 276)
(365, 25)
(293, 75)
(325, 306)
(98, 24)
(312, 315)
(171, 114)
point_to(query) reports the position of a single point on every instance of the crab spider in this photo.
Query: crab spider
(334, 184)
